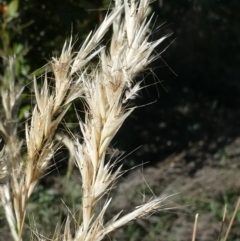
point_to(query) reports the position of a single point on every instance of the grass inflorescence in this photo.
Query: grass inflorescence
(106, 88)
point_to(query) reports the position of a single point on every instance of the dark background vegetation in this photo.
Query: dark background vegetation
(196, 103)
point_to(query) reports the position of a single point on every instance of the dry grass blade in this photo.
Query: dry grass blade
(223, 219)
(232, 219)
(195, 228)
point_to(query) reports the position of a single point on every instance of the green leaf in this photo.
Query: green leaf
(18, 48)
(12, 8)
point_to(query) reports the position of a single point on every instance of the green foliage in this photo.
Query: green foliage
(12, 10)
(10, 44)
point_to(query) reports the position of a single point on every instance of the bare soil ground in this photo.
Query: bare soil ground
(206, 192)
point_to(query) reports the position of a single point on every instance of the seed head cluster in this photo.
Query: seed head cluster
(106, 89)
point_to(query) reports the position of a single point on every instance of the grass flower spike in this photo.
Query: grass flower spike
(106, 89)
